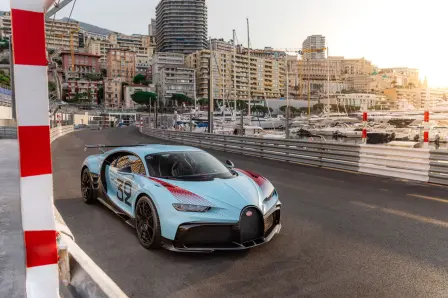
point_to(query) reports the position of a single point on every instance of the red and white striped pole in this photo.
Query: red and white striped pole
(364, 127)
(36, 181)
(426, 121)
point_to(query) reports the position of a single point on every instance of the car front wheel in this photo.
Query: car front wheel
(87, 187)
(147, 224)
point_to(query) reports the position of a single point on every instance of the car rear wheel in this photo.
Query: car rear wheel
(87, 187)
(147, 224)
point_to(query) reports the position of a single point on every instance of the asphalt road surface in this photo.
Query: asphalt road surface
(344, 235)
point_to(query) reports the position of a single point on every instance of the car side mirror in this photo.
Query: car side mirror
(229, 164)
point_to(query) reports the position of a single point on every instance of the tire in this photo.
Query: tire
(147, 224)
(87, 187)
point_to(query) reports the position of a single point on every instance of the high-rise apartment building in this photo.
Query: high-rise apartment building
(121, 64)
(314, 42)
(231, 75)
(181, 26)
(152, 28)
(57, 32)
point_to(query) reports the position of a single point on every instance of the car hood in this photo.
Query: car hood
(237, 192)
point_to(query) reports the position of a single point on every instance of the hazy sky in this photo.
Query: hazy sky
(391, 33)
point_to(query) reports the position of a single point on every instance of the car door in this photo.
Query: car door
(125, 182)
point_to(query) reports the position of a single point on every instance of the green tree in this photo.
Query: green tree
(203, 101)
(100, 94)
(51, 86)
(241, 105)
(318, 108)
(4, 78)
(144, 98)
(181, 98)
(139, 79)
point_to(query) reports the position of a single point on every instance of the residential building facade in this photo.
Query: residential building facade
(231, 75)
(84, 63)
(82, 90)
(58, 33)
(314, 42)
(121, 64)
(181, 26)
(171, 76)
(417, 97)
(129, 90)
(112, 93)
(221, 46)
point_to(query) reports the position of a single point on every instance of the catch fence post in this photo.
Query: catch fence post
(36, 179)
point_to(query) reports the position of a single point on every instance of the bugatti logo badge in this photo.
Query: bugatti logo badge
(249, 213)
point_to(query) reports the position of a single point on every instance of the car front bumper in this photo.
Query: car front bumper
(208, 237)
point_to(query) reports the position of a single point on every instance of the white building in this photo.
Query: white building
(171, 76)
(314, 42)
(358, 100)
(129, 90)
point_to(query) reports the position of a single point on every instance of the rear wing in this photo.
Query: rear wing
(102, 147)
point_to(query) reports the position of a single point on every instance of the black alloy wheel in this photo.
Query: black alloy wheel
(87, 187)
(147, 223)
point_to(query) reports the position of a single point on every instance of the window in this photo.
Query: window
(196, 165)
(130, 161)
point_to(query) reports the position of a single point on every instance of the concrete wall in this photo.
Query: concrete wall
(5, 112)
(81, 119)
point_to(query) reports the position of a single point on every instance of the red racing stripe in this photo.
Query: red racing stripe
(28, 30)
(41, 248)
(182, 195)
(35, 150)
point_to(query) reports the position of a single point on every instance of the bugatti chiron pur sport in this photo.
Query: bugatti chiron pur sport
(182, 198)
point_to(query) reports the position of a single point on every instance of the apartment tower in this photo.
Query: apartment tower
(314, 42)
(181, 26)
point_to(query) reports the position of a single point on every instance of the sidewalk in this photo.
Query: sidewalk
(12, 260)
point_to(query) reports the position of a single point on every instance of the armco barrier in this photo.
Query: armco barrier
(8, 132)
(330, 155)
(438, 171)
(60, 131)
(396, 162)
(413, 164)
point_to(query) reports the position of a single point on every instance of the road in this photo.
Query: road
(344, 235)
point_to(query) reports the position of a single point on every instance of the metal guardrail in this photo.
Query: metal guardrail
(338, 156)
(438, 171)
(60, 131)
(406, 163)
(8, 132)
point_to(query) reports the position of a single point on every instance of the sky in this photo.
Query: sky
(390, 33)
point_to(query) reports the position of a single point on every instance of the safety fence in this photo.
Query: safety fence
(60, 131)
(406, 163)
(8, 132)
(438, 171)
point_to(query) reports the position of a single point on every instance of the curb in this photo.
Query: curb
(80, 277)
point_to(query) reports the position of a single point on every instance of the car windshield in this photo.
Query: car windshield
(196, 165)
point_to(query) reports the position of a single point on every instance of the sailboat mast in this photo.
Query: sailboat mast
(328, 78)
(248, 55)
(234, 70)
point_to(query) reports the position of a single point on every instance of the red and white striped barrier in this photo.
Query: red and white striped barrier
(364, 127)
(426, 130)
(36, 181)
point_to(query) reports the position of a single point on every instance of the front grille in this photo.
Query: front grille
(203, 235)
(271, 221)
(251, 224)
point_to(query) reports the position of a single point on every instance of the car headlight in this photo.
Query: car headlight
(271, 195)
(190, 208)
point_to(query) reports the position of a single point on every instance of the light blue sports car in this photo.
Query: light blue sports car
(182, 198)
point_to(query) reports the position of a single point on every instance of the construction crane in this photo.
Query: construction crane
(72, 44)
